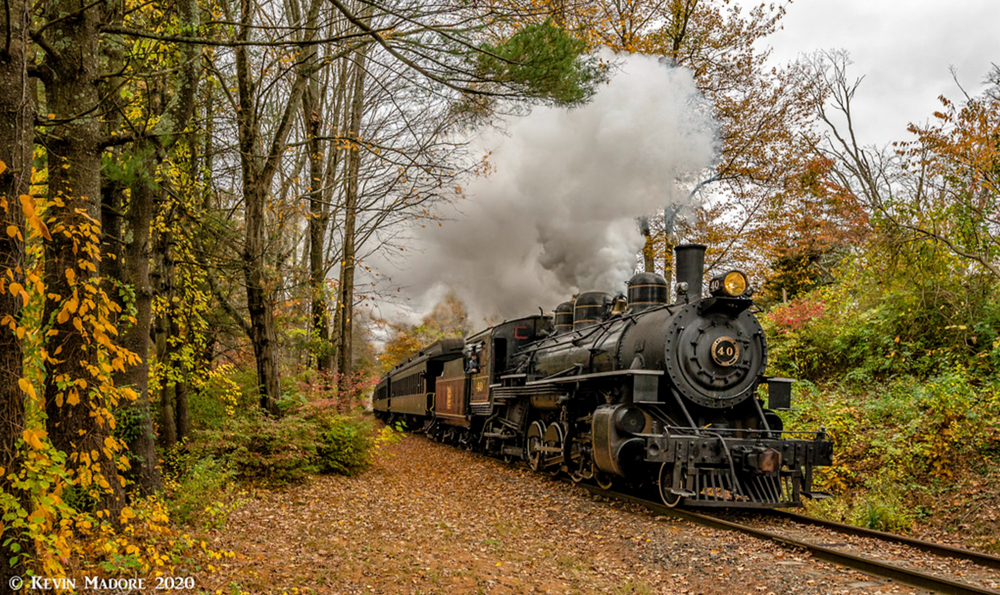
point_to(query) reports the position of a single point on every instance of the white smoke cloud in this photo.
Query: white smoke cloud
(558, 215)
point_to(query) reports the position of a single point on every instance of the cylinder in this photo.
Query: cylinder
(646, 290)
(591, 307)
(690, 265)
(564, 317)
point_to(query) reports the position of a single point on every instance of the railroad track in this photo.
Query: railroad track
(981, 571)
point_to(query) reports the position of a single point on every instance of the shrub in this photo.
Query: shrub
(311, 439)
(196, 487)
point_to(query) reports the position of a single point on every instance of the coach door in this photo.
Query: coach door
(449, 398)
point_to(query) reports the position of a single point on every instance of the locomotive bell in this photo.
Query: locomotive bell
(690, 266)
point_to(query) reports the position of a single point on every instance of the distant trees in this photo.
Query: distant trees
(448, 318)
(942, 187)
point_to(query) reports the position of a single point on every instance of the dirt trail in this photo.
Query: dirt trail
(428, 518)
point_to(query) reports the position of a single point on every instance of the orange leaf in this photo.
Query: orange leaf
(28, 206)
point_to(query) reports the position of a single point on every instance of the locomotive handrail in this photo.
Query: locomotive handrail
(558, 374)
(608, 374)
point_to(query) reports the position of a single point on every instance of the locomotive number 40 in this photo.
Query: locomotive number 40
(725, 351)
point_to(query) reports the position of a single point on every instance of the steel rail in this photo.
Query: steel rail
(913, 578)
(947, 551)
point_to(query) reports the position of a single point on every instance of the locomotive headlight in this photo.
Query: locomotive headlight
(732, 284)
(735, 283)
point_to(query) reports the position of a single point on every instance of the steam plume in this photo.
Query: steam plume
(558, 215)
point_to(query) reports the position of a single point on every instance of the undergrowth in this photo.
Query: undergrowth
(310, 439)
(905, 381)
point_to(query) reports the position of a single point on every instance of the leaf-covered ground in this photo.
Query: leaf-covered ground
(428, 518)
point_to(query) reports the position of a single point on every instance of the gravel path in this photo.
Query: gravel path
(429, 518)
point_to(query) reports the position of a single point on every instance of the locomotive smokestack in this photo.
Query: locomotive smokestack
(690, 266)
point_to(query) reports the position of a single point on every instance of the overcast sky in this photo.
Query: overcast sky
(903, 48)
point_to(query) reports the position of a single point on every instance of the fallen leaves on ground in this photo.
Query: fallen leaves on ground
(430, 518)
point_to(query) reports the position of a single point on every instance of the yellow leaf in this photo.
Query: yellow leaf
(32, 437)
(3, 166)
(63, 316)
(26, 387)
(71, 276)
(73, 398)
(13, 231)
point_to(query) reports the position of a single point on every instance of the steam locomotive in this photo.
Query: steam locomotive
(623, 389)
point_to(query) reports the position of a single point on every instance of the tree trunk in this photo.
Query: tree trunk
(254, 196)
(78, 416)
(258, 172)
(145, 471)
(181, 410)
(16, 144)
(647, 249)
(668, 258)
(345, 309)
(125, 220)
(259, 302)
(163, 285)
(318, 211)
(318, 221)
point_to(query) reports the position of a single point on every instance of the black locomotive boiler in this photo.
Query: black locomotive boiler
(638, 389)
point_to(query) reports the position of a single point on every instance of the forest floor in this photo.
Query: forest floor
(428, 518)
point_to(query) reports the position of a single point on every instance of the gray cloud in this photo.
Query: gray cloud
(904, 49)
